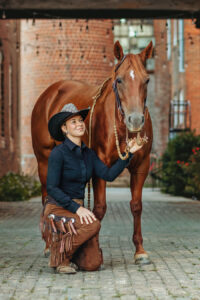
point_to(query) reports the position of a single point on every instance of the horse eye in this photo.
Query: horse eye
(147, 81)
(119, 80)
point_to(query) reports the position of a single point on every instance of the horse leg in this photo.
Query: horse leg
(99, 189)
(137, 181)
(42, 171)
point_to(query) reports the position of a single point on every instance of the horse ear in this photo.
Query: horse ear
(146, 53)
(118, 51)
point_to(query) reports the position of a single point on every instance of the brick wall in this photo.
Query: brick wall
(162, 87)
(173, 81)
(192, 70)
(9, 100)
(59, 49)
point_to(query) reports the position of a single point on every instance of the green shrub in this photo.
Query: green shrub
(191, 170)
(18, 187)
(177, 176)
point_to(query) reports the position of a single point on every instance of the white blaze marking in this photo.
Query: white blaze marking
(132, 74)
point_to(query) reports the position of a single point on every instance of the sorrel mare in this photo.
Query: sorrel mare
(122, 97)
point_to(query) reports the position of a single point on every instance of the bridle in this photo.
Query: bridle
(119, 106)
(114, 87)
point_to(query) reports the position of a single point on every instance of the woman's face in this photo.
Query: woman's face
(74, 126)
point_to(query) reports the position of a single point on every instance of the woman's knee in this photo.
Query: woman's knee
(96, 225)
(90, 229)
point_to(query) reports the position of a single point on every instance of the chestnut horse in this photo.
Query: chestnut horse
(123, 97)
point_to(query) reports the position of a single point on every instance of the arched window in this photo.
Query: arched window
(2, 100)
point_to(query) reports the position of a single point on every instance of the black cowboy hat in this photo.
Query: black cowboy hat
(55, 123)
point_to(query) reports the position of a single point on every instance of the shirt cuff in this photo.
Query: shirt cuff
(128, 160)
(73, 207)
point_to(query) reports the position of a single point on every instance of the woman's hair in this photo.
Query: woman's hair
(64, 133)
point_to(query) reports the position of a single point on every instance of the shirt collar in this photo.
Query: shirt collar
(72, 145)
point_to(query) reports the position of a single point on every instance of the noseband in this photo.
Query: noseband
(114, 86)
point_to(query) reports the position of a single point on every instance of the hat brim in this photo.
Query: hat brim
(57, 120)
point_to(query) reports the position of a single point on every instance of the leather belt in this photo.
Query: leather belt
(50, 200)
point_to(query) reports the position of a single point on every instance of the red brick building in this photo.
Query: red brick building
(52, 50)
(9, 97)
(47, 51)
(34, 54)
(177, 76)
(192, 70)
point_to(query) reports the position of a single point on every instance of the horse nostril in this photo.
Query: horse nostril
(142, 119)
(129, 119)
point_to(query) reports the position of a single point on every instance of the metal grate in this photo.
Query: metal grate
(179, 116)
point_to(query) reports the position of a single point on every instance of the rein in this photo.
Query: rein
(99, 92)
(119, 106)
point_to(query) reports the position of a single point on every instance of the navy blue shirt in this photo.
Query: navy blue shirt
(69, 169)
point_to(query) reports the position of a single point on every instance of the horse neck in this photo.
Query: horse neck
(105, 113)
(105, 103)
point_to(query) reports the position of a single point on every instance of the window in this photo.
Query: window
(179, 116)
(182, 115)
(2, 100)
(168, 39)
(134, 35)
(175, 33)
(181, 45)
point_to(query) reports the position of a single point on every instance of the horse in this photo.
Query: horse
(121, 100)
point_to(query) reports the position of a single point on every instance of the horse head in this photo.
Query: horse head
(130, 80)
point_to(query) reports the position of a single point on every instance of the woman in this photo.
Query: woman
(70, 166)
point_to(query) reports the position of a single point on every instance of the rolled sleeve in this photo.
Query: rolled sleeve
(106, 173)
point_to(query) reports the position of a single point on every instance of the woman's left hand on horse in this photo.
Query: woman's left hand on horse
(133, 146)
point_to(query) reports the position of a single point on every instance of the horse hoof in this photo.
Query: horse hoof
(46, 252)
(142, 259)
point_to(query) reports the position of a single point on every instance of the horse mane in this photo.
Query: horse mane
(101, 89)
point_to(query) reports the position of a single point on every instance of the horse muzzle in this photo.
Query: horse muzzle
(134, 122)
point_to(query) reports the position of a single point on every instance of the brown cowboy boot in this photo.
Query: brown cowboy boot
(66, 269)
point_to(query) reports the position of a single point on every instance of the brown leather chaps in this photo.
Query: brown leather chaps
(82, 248)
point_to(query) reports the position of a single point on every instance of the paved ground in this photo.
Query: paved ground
(171, 231)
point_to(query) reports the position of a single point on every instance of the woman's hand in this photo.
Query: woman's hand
(133, 145)
(86, 215)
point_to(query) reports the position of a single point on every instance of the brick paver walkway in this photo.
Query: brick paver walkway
(171, 231)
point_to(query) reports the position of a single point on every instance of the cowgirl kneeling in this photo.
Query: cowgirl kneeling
(70, 166)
